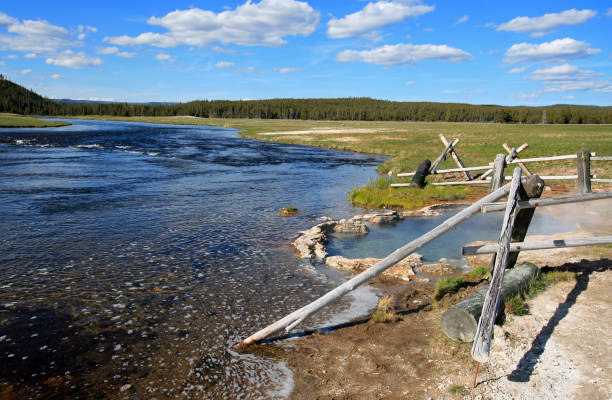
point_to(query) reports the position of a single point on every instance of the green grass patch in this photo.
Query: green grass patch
(448, 286)
(456, 390)
(546, 279)
(515, 305)
(379, 194)
(478, 273)
(19, 121)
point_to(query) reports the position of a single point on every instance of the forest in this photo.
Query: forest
(16, 99)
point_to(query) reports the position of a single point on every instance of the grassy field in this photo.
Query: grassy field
(19, 121)
(407, 143)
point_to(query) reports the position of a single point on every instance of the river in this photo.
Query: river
(133, 255)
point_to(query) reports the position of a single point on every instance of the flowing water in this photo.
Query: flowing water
(134, 255)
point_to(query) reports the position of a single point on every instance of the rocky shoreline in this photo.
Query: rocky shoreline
(311, 243)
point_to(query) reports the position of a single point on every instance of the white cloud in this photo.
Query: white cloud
(224, 64)
(286, 70)
(115, 51)
(56, 76)
(163, 57)
(517, 70)
(108, 50)
(410, 83)
(248, 70)
(609, 12)
(404, 54)
(252, 24)
(81, 36)
(375, 15)
(462, 20)
(221, 50)
(560, 50)
(564, 72)
(71, 59)
(539, 26)
(2, 63)
(25, 71)
(527, 96)
(569, 97)
(590, 86)
(30, 55)
(429, 30)
(12, 57)
(32, 36)
(567, 77)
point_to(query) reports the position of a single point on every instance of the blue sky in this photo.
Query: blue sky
(509, 53)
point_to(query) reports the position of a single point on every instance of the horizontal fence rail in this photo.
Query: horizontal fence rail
(539, 245)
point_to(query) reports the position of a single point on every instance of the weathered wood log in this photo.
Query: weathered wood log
(552, 177)
(584, 171)
(601, 158)
(552, 158)
(456, 157)
(442, 156)
(482, 341)
(513, 154)
(421, 173)
(531, 188)
(539, 245)
(498, 172)
(461, 321)
(444, 171)
(495, 207)
(376, 269)
(478, 182)
(601, 180)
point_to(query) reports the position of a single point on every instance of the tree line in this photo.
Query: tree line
(16, 99)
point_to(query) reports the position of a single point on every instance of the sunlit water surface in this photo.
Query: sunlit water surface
(134, 255)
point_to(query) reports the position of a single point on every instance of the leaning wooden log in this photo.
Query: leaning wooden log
(601, 180)
(514, 157)
(421, 173)
(498, 172)
(442, 156)
(539, 245)
(461, 321)
(456, 157)
(553, 177)
(584, 171)
(601, 158)
(482, 341)
(495, 207)
(376, 269)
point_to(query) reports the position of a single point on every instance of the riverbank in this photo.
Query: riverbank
(8, 120)
(535, 355)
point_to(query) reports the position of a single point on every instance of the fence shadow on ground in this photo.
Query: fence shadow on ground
(525, 367)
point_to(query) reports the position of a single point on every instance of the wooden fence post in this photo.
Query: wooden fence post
(531, 188)
(418, 179)
(498, 172)
(482, 341)
(584, 171)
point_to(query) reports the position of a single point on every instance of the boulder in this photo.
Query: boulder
(402, 270)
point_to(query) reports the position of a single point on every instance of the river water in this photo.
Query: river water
(134, 255)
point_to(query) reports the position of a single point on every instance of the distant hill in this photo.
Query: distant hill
(19, 100)
(16, 99)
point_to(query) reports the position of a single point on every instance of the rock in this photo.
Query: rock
(288, 211)
(387, 217)
(433, 210)
(350, 226)
(402, 270)
(441, 269)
